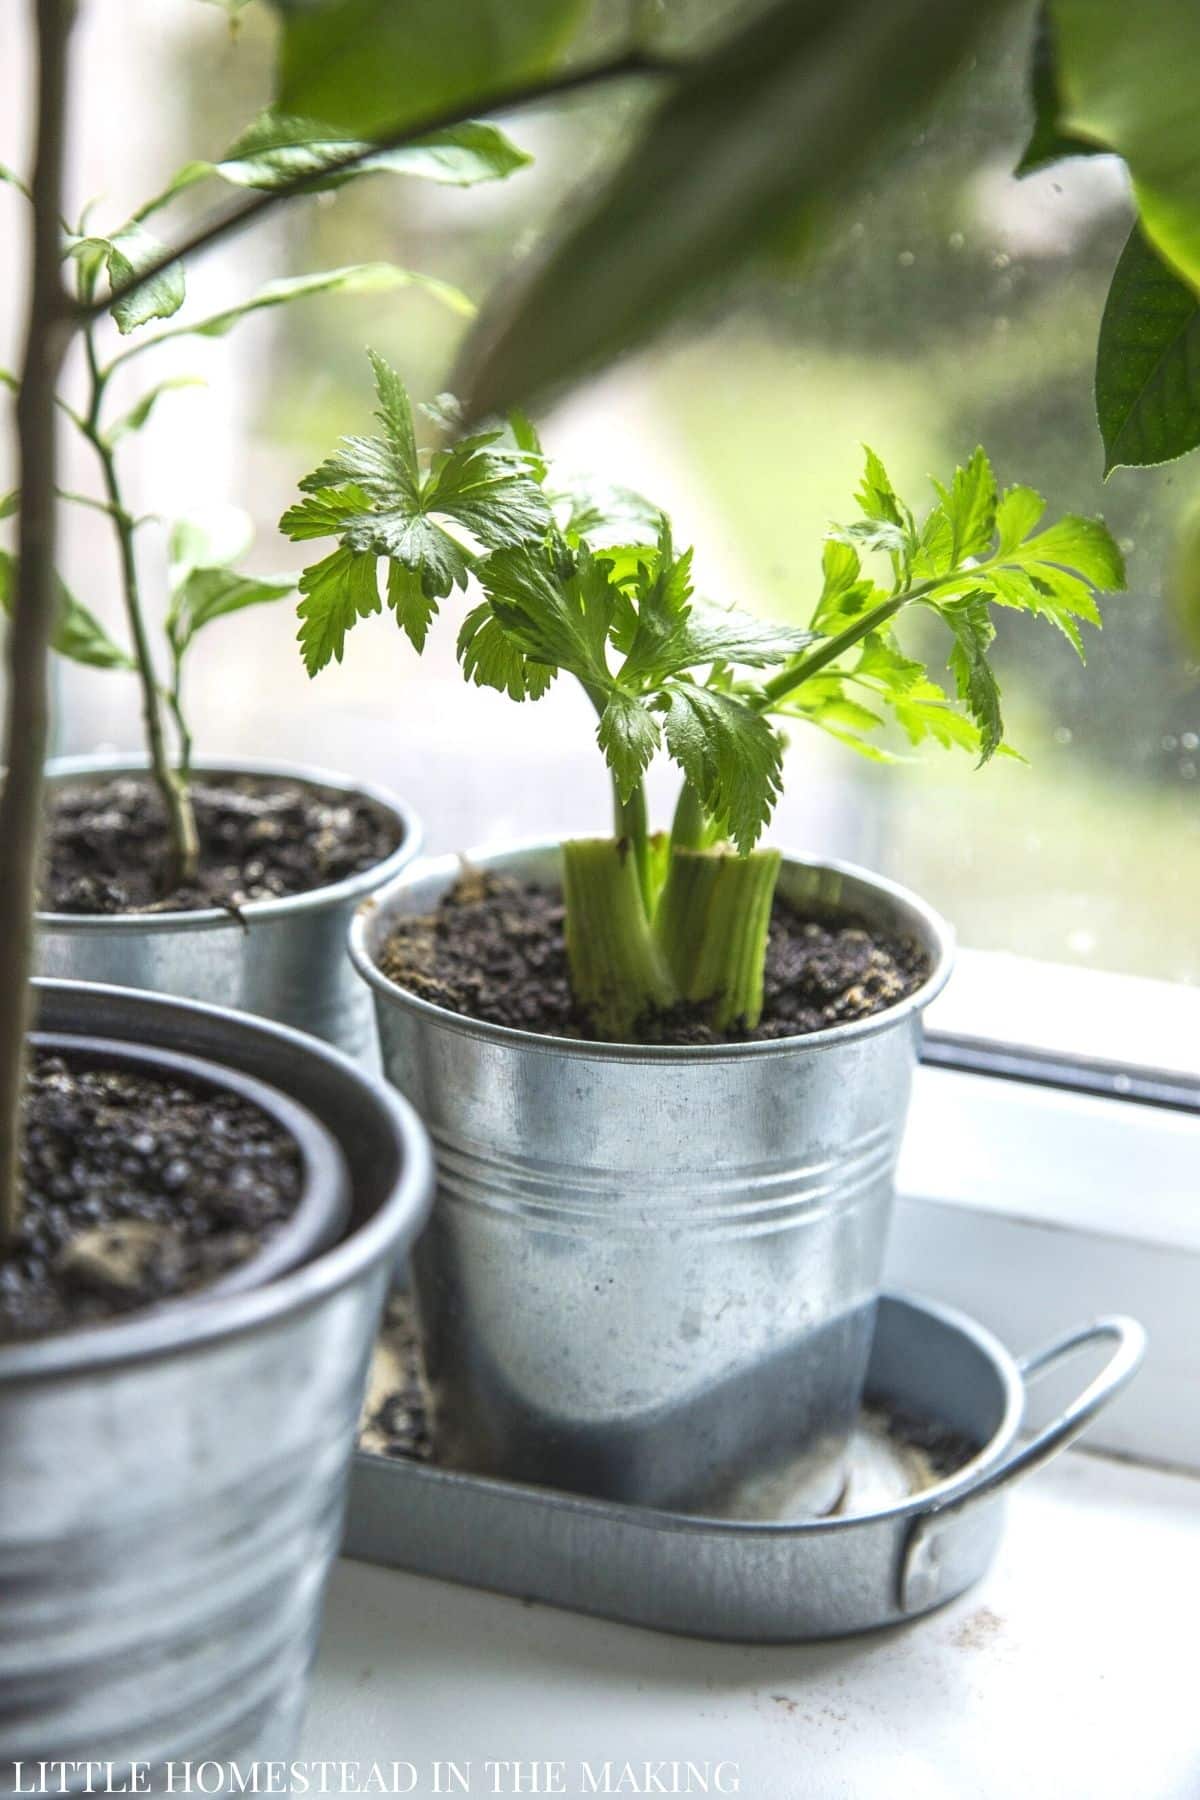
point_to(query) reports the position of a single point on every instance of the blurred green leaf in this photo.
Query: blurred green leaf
(124, 256)
(138, 415)
(12, 179)
(9, 503)
(371, 65)
(78, 633)
(1127, 81)
(9, 380)
(1147, 362)
(1047, 142)
(276, 150)
(357, 278)
(209, 594)
(769, 127)
(209, 540)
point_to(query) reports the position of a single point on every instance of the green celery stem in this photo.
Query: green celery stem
(618, 973)
(712, 926)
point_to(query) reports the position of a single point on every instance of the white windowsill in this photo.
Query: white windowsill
(1068, 1671)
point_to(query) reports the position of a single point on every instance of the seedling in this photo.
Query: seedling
(590, 584)
(204, 585)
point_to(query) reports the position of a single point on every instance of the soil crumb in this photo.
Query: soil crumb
(494, 950)
(260, 839)
(137, 1188)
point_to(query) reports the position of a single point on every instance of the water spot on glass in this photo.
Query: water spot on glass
(1062, 734)
(957, 240)
(858, 229)
(1001, 260)
(1081, 943)
(1189, 741)
(1122, 1084)
(1187, 768)
(1170, 742)
(906, 259)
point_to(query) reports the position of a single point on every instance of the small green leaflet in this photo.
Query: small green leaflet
(140, 414)
(208, 594)
(977, 686)
(489, 658)
(555, 607)
(730, 753)
(9, 503)
(9, 380)
(356, 278)
(335, 594)
(78, 633)
(372, 495)
(125, 255)
(1147, 362)
(628, 735)
(11, 179)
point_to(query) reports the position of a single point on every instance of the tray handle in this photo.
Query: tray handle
(920, 1564)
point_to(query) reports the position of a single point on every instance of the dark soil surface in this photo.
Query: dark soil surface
(137, 1189)
(494, 950)
(260, 840)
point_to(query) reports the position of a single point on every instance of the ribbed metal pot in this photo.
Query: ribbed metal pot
(172, 1484)
(652, 1270)
(283, 959)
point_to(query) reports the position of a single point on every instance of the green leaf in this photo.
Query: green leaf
(730, 753)
(370, 66)
(139, 414)
(1074, 543)
(9, 380)
(628, 735)
(277, 150)
(214, 538)
(336, 594)
(764, 133)
(1147, 362)
(1130, 86)
(78, 633)
(603, 513)
(12, 179)
(358, 278)
(556, 611)
(1047, 143)
(124, 256)
(371, 495)
(9, 503)
(489, 658)
(977, 686)
(1017, 512)
(969, 507)
(844, 593)
(413, 607)
(208, 594)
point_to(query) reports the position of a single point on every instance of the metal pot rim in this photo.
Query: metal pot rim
(188, 1324)
(940, 940)
(67, 768)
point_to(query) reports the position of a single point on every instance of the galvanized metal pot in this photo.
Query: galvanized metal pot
(650, 1270)
(171, 1486)
(283, 959)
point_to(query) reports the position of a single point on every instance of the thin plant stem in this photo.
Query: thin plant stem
(27, 721)
(171, 782)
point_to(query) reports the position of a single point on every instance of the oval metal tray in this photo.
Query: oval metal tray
(758, 1581)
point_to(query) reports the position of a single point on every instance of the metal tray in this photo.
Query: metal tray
(763, 1580)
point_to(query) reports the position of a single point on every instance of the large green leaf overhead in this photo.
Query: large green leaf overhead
(371, 65)
(1129, 80)
(758, 138)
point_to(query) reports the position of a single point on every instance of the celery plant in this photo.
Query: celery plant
(592, 586)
